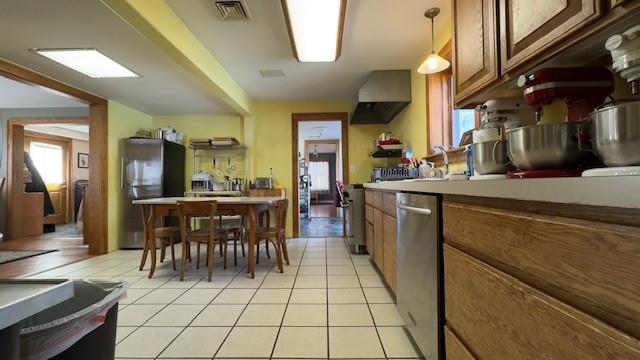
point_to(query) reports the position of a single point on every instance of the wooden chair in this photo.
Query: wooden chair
(167, 236)
(209, 235)
(275, 235)
(238, 234)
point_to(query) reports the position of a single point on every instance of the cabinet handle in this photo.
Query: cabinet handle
(413, 209)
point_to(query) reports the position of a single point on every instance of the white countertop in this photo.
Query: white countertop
(620, 191)
(212, 193)
(240, 200)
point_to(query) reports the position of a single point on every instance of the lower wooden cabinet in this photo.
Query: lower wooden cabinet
(455, 349)
(378, 238)
(499, 317)
(389, 248)
(369, 237)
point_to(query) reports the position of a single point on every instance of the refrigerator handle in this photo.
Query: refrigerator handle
(122, 173)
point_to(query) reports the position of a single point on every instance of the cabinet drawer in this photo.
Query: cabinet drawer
(389, 203)
(454, 348)
(368, 213)
(368, 197)
(389, 247)
(377, 199)
(499, 317)
(589, 265)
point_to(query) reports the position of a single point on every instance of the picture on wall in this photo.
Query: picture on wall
(83, 161)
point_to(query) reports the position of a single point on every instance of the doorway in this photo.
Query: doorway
(320, 171)
(95, 226)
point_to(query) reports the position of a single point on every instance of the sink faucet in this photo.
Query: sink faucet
(445, 157)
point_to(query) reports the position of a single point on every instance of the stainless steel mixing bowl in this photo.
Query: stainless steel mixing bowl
(615, 134)
(545, 147)
(490, 157)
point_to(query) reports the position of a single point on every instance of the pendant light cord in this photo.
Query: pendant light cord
(433, 49)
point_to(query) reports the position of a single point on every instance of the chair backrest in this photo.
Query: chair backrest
(191, 209)
(281, 214)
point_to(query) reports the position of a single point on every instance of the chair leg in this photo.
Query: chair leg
(257, 251)
(285, 253)
(145, 251)
(173, 252)
(163, 249)
(225, 254)
(276, 244)
(189, 251)
(242, 244)
(266, 245)
(221, 249)
(235, 249)
(197, 256)
(210, 258)
(183, 259)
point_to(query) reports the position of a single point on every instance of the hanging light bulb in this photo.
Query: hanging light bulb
(434, 63)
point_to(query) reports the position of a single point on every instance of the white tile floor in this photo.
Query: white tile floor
(327, 304)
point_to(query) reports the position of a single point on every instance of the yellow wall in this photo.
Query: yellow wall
(273, 142)
(122, 123)
(206, 126)
(410, 125)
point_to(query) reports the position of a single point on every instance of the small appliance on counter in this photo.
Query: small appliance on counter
(393, 173)
(581, 88)
(201, 181)
(489, 150)
(556, 149)
(262, 183)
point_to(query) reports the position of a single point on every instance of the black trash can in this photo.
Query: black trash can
(83, 327)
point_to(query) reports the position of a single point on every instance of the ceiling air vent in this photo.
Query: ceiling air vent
(270, 73)
(232, 10)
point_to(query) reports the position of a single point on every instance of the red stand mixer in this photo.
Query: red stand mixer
(581, 88)
(553, 149)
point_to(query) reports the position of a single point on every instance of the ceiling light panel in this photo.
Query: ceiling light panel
(90, 62)
(315, 28)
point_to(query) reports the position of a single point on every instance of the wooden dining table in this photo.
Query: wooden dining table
(246, 206)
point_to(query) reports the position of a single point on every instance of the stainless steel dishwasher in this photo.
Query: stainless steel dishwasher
(419, 259)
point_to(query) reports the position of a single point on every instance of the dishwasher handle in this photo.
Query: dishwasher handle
(413, 209)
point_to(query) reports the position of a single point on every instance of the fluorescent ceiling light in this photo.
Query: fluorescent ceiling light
(90, 62)
(315, 28)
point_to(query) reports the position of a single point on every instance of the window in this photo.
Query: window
(461, 121)
(319, 171)
(48, 159)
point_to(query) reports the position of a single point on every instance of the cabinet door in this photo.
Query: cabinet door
(368, 228)
(475, 40)
(528, 27)
(389, 248)
(378, 236)
(499, 317)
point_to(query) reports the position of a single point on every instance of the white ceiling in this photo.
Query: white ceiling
(14, 94)
(378, 35)
(164, 87)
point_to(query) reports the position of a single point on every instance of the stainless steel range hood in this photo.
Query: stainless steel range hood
(382, 97)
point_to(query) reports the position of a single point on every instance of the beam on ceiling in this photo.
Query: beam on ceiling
(158, 22)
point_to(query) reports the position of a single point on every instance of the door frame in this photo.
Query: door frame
(96, 209)
(69, 165)
(296, 118)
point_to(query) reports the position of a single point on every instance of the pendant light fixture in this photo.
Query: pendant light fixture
(434, 63)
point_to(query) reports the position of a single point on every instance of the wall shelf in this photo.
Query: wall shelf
(379, 152)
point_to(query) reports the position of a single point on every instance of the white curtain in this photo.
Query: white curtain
(319, 171)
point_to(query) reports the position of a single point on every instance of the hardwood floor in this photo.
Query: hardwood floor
(70, 249)
(323, 210)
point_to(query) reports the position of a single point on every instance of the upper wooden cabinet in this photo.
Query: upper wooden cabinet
(528, 27)
(475, 56)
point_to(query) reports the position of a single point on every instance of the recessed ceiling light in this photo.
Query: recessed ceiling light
(90, 62)
(315, 28)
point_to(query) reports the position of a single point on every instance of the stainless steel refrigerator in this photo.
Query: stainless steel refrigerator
(149, 168)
